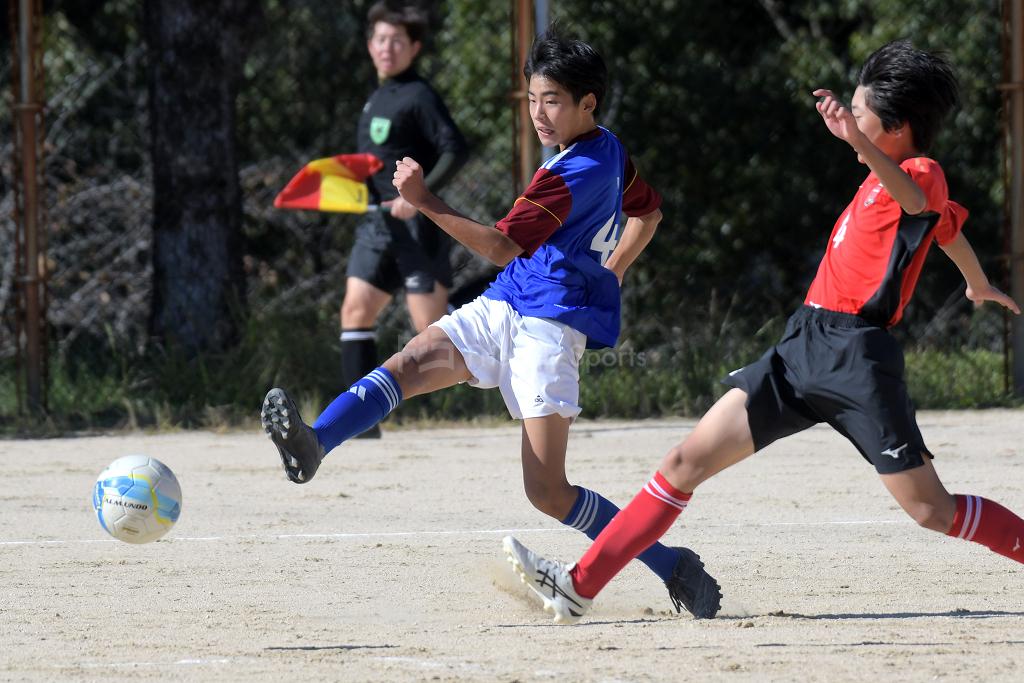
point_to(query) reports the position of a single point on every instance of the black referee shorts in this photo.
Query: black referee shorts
(840, 369)
(392, 254)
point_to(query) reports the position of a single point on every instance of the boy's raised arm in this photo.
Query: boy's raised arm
(979, 289)
(492, 244)
(841, 122)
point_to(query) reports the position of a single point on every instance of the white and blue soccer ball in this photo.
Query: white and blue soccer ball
(137, 499)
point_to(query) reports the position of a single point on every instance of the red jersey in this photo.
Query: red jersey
(876, 250)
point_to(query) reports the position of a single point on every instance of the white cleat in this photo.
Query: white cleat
(548, 579)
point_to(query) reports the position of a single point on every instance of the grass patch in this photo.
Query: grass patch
(959, 379)
(167, 390)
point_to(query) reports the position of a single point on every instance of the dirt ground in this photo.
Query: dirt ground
(388, 566)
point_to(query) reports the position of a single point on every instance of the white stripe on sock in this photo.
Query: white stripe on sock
(388, 392)
(977, 518)
(387, 383)
(377, 383)
(591, 511)
(967, 516)
(357, 335)
(392, 386)
(662, 497)
(678, 501)
(575, 521)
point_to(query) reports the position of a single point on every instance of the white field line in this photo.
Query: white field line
(139, 665)
(417, 662)
(454, 532)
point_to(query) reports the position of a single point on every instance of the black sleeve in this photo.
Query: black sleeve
(439, 128)
(444, 170)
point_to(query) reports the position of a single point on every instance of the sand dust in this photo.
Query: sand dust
(388, 566)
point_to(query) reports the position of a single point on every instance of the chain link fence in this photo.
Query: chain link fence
(713, 105)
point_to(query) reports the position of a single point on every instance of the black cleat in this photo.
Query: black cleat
(692, 588)
(296, 441)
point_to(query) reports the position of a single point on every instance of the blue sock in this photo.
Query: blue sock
(591, 513)
(366, 403)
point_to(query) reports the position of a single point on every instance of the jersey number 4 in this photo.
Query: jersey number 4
(605, 240)
(841, 233)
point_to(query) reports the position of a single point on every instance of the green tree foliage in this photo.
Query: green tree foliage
(716, 107)
(712, 99)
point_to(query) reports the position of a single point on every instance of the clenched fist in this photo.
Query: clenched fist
(409, 181)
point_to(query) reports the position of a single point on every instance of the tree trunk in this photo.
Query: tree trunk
(195, 60)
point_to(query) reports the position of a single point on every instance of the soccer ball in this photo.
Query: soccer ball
(137, 499)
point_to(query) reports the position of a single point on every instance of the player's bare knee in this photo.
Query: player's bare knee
(930, 516)
(679, 467)
(356, 313)
(544, 504)
(553, 501)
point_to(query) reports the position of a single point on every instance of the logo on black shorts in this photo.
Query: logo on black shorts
(895, 453)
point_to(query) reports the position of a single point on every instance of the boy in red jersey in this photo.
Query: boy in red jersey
(836, 362)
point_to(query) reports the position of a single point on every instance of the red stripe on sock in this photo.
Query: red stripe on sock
(990, 524)
(637, 526)
(958, 517)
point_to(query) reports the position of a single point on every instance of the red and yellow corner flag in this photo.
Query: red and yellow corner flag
(335, 183)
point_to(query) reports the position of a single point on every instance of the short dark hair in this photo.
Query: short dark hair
(571, 63)
(910, 85)
(412, 18)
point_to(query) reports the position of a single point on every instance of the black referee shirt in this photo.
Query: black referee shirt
(405, 117)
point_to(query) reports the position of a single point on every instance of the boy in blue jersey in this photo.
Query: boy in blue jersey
(564, 260)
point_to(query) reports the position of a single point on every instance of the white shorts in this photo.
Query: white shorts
(534, 362)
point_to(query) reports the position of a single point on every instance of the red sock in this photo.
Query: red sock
(637, 526)
(990, 524)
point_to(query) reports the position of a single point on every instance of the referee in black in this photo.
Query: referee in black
(398, 247)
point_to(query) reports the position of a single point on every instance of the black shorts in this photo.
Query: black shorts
(391, 254)
(840, 369)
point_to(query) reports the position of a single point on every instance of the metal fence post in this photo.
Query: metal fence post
(525, 143)
(31, 271)
(1016, 184)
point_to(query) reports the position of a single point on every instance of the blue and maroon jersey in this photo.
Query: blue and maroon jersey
(876, 250)
(567, 222)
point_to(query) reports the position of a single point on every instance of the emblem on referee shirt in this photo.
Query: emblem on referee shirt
(379, 129)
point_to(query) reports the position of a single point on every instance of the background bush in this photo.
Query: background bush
(713, 103)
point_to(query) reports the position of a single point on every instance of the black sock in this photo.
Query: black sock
(358, 354)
